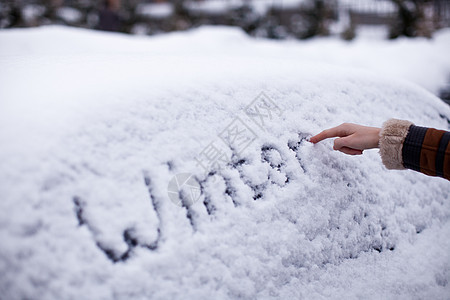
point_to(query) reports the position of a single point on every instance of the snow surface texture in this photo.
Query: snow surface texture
(93, 127)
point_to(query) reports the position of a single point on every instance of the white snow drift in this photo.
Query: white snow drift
(94, 126)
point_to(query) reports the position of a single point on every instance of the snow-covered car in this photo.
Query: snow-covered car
(178, 167)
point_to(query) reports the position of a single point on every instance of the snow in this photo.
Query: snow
(155, 10)
(69, 15)
(94, 126)
(31, 12)
(371, 6)
(259, 6)
(214, 6)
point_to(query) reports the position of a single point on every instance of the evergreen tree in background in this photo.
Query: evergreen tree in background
(411, 21)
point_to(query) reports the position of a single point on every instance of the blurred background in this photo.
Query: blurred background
(271, 19)
(274, 19)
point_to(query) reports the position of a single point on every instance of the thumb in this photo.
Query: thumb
(343, 142)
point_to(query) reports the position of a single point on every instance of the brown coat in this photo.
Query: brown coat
(404, 145)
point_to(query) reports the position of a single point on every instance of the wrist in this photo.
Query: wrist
(376, 137)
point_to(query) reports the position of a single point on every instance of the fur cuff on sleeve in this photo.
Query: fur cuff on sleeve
(392, 136)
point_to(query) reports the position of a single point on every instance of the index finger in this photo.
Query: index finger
(329, 133)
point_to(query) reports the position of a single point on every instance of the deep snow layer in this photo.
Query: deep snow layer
(93, 127)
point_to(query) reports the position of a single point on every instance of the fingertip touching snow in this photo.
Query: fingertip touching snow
(178, 167)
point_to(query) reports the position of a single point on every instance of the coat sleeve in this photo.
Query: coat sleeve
(406, 146)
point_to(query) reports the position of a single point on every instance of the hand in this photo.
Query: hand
(353, 139)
